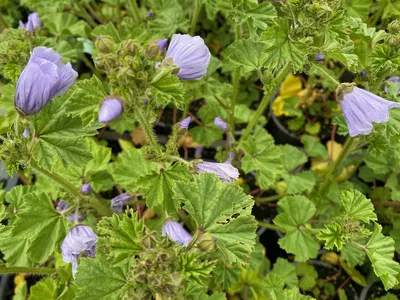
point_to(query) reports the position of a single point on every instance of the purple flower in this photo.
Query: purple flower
(79, 238)
(26, 132)
(198, 151)
(150, 14)
(225, 171)
(118, 202)
(110, 109)
(85, 188)
(363, 73)
(162, 44)
(43, 78)
(145, 101)
(33, 21)
(360, 108)
(395, 79)
(185, 123)
(190, 54)
(62, 205)
(320, 57)
(79, 218)
(176, 232)
(221, 124)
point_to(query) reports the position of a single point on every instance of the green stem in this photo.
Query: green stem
(134, 10)
(147, 130)
(89, 64)
(95, 14)
(264, 102)
(194, 240)
(345, 151)
(84, 13)
(29, 270)
(270, 226)
(326, 74)
(17, 127)
(3, 22)
(197, 7)
(268, 199)
(180, 159)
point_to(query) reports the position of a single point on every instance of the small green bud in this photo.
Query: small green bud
(394, 27)
(105, 44)
(153, 50)
(141, 76)
(149, 241)
(206, 242)
(128, 47)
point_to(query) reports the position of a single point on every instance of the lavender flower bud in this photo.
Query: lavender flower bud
(43, 78)
(33, 21)
(190, 54)
(395, 79)
(185, 123)
(176, 232)
(360, 108)
(26, 132)
(79, 238)
(320, 57)
(150, 14)
(110, 109)
(225, 171)
(146, 101)
(79, 218)
(118, 202)
(85, 189)
(221, 124)
(363, 73)
(62, 205)
(198, 151)
(162, 44)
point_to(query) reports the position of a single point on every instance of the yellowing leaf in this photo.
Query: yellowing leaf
(291, 86)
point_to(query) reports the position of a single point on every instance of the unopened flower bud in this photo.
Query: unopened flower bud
(150, 14)
(176, 232)
(394, 27)
(153, 49)
(26, 132)
(128, 47)
(33, 22)
(110, 109)
(363, 73)
(85, 188)
(185, 123)
(221, 124)
(118, 202)
(105, 44)
(206, 242)
(320, 57)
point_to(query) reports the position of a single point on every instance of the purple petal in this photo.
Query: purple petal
(185, 123)
(225, 171)
(320, 57)
(110, 109)
(360, 108)
(162, 44)
(79, 218)
(198, 151)
(118, 202)
(26, 132)
(190, 54)
(230, 158)
(43, 78)
(33, 21)
(62, 205)
(85, 188)
(221, 124)
(176, 232)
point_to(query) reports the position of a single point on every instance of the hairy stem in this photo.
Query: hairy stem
(29, 270)
(268, 199)
(197, 7)
(148, 130)
(264, 102)
(345, 151)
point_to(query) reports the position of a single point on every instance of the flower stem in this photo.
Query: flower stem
(147, 130)
(134, 10)
(270, 226)
(326, 74)
(29, 270)
(264, 102)
(268, 199)
(345, 151)
(197, 7)
(3, 22)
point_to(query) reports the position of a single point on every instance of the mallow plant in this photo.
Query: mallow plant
(140, 132)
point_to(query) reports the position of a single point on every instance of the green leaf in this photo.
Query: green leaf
(313, 147)
(308, 275)
(206, 135)
(300, 182)
(263, 156)
(384, 59)
(169, 18)
(84, 100)
(281, 49)
(60, 137)
(41, 224)
(333, 236)
(247, 54)
(157, 186)
(261, 15)
(353, 254)
(195, 292)
(293, 294)
(297, 210)
(123, 173)
(60, 24)
(98, 280)
(14, 196)
(44, 289)
(14, 248)
(341, 124)
(122, 235)
(226, 275)
(230, 222)
(193, 269)
(357, 206)
(395, 234)
(355, 274)
(292, 157)
(286, 271)
(166, 88)
(274, 281)
(380, 251)
(357, 8)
